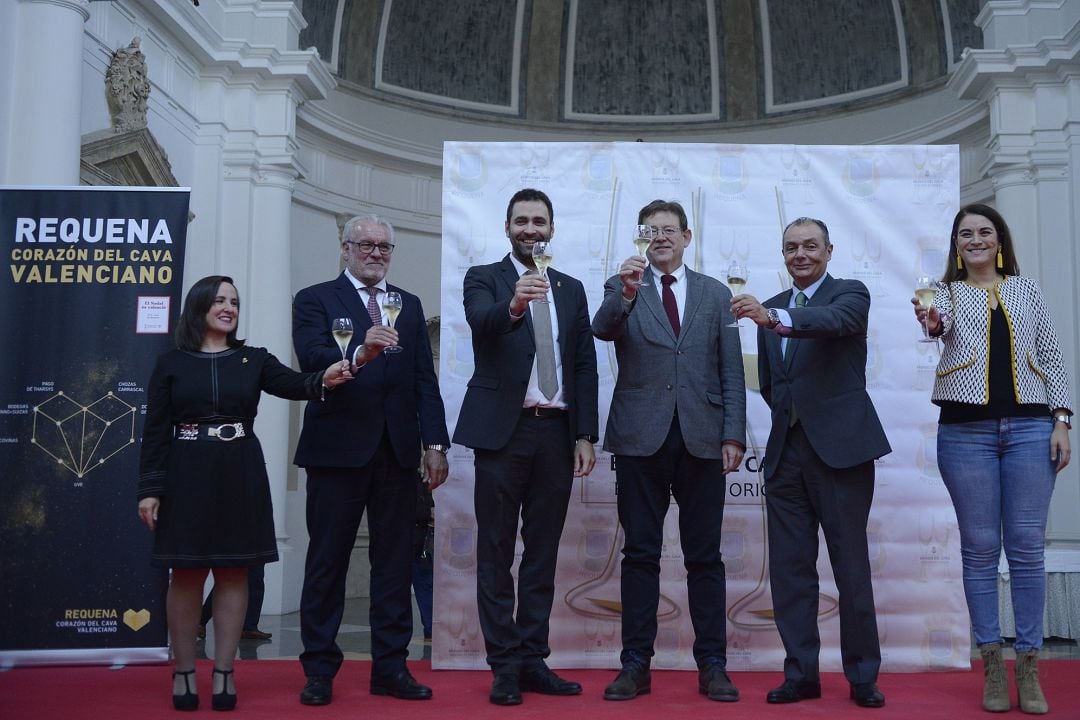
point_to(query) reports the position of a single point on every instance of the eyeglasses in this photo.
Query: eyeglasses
(366, 246)
(668, 231)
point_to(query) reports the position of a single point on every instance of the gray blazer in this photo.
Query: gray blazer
(699, 374)
(825, 376)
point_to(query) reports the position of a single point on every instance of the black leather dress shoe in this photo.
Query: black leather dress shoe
(542, 680)
(632, 680)
(714, 682)
(317, 691)
(401, 685)
(794, 691)
(505, 690)
(867, 695)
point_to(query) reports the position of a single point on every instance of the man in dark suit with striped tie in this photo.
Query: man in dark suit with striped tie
(530, 416)
(361, 448)
(819, 461)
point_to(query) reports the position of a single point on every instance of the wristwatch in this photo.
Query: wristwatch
(1065, 420)
(588, 438)
(774, 318)
(438, 448)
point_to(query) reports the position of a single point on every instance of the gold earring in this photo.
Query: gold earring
(1000, 263)
(959, 262)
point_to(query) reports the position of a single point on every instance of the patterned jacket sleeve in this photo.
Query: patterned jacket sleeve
(943, 301)
(1048, 352)
(157, 433)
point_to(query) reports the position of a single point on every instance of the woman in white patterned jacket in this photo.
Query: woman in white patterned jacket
(1002, 437)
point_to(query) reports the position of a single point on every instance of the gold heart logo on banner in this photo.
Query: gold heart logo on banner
(136, 620)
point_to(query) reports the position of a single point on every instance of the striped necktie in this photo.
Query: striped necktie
(373, 309)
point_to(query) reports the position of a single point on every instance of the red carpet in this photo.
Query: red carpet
(268, 691)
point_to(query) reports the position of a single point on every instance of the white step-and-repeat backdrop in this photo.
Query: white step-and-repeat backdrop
(889, 210)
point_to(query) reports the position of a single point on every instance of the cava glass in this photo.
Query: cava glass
(541, 253)
(736, 280)
(343, 331)
(643, 237)
(925, 286)
(391, 305)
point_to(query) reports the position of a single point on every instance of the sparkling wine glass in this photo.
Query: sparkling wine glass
(542, 257)
(643, 237)
(391, 305)
(342, 329)
(925, 286)
(736, 280)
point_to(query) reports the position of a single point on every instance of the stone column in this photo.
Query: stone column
(45, 129)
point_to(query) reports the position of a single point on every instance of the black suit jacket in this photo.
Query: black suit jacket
(503, 352)
(825, 377)
(399, 392)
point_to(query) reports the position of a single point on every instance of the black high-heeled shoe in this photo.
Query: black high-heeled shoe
(189, 700)
(223, 700)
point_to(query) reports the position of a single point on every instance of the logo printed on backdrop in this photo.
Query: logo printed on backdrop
(468, 173)
(861, 178)
(597, 172)
(942, 646)
(928, 180)
(665, 167)
(136, 620)
(729, 173)
(797, 181)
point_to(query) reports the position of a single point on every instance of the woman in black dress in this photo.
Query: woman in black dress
(203, 488)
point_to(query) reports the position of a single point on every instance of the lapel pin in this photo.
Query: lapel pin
(243, 360)
(558, 283)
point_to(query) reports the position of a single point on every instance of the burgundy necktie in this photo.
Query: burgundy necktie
(373, 309)
(670, 306)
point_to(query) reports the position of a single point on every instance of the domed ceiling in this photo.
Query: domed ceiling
(639, 62)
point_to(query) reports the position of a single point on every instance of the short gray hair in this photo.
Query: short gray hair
(369, 219)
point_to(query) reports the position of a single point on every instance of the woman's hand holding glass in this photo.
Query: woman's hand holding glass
(337, 374)
(925, 312)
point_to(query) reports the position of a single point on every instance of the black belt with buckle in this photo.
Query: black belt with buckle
(543, 412)
(224, 432)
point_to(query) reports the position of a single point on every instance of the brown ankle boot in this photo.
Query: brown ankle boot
(1031, 698)
(996, 681)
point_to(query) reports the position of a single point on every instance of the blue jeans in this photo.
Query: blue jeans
(1000, 477)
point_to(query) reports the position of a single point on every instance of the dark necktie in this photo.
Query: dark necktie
(800, 301)
(670, 306)
(373, 306)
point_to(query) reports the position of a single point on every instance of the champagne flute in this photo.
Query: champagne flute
(643, 237)
(925, 286)
(736, 280)
(342, 329)
(391, 305)
(541, 253)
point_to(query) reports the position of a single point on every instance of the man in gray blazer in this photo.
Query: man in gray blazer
(819, 461)
(677, 426)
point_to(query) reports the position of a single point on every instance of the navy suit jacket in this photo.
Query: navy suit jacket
(503, 351)
(825, 377)
(397, 392)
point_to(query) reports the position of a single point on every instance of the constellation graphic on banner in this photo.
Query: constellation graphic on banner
(83, 437)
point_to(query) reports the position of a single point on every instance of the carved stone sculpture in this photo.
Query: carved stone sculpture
(127, 88)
